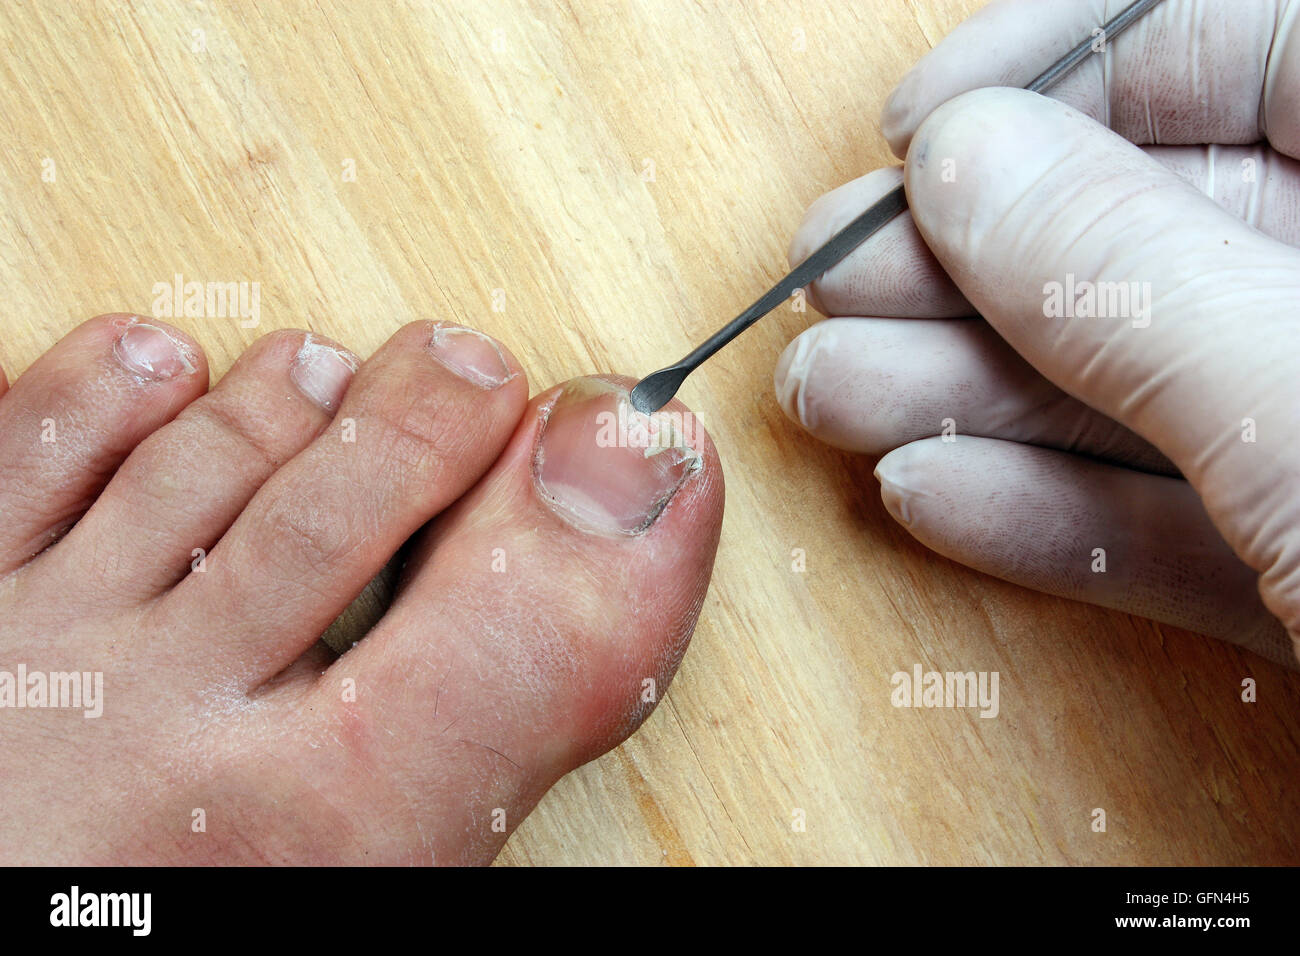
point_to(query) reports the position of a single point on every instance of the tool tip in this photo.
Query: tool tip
(657, 389)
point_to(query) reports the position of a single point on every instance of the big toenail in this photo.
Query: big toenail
(603, 466)
(471, 355)
(322, 372)
(151, 353)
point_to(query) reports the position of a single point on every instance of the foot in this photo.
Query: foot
(181, 551)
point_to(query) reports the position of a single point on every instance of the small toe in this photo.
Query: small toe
(70, 420)
(183, 487)
(423, 419)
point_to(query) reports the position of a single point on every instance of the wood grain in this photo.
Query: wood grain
(505, 147)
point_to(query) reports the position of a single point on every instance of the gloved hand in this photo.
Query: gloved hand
(1082, 362)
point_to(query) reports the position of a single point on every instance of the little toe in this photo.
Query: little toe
(69, 421)
(183, 487)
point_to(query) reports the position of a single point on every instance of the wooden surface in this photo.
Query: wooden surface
(508, 146)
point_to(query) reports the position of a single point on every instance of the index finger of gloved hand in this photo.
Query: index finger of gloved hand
(1190, 71)
(892, 273)
(895, 274)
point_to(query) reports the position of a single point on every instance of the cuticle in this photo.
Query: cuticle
(310, 343)
(440, 327)
(188, 357)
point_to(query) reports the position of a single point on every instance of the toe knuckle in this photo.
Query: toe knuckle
(414, 439)
(245, 430)
(310, 536)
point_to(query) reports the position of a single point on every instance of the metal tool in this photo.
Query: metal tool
(655, 390)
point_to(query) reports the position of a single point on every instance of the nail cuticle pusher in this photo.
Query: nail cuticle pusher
(657, 389)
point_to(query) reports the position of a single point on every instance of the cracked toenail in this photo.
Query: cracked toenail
(322, 372)
(471, 355)
(151, 353)
(604, 466)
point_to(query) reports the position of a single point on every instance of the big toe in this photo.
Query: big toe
(540, 621)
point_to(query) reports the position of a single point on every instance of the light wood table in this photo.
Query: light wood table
(599, 184)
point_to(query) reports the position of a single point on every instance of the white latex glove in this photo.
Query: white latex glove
(1169, 439)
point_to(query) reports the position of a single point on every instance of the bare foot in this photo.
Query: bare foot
(182, 551)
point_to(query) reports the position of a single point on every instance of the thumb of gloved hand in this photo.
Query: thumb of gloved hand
(1138, 295)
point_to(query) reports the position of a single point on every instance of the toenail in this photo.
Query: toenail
(151, 353)
(471, 355)
(322, 372)
(603, 466)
